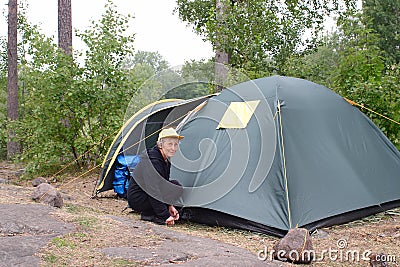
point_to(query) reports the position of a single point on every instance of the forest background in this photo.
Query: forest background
(70, 106)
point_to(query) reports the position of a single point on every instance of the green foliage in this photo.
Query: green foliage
(70, 109)
(259, 35)
(3, 98)
(3, 55)
(351, 63)
(152, 77)
(360, 60)
(196, 78)
(151, 59)
(67, 111)
(316, 65)
(390, 107)
(360, 74)
(142, 69)
(385, 21)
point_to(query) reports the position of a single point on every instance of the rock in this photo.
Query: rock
(4, 181)
(318, 233)
(296, 247)
(38, 181)
(378, 260)
(276, 264)
(45, 193)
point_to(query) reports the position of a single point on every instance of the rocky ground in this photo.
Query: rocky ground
(90, 231)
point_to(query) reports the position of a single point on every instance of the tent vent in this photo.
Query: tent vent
(238, 114)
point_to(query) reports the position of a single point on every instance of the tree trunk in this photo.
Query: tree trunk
(221, 57)
(65, 34)
(65, 44)
(221, 69)
(13, 147)
(65, 26)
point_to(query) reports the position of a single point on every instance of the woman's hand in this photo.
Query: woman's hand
(170, 221)
(173, 212)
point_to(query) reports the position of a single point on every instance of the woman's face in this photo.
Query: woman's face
(169, 146)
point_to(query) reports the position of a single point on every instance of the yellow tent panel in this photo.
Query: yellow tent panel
(238, 114)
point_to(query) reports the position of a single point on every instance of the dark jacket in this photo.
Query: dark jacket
(138, 199)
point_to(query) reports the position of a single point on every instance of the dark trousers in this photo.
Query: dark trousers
(148, 205)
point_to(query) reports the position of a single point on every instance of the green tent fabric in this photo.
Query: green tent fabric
(305, 158)
(268, 155)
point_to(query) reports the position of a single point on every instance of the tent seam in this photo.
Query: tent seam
(284, 164)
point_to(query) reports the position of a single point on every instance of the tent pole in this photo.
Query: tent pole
(284, 164)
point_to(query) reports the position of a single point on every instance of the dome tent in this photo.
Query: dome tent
(279, 152)
(268, 155)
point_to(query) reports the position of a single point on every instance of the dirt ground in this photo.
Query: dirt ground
(97, 232)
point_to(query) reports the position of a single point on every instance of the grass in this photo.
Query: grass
(50, 258)
(61, 242)
(80, 235)
(88, 222)
(71, 208)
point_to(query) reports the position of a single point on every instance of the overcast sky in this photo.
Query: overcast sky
(155, 25)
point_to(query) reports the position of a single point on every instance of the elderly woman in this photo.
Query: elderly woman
(153, 170)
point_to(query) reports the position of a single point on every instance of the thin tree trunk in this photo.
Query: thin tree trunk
(221, 69)
(65, 26)
(13, 147)
(65, 44)
(221, 57)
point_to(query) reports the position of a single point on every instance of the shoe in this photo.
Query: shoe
(158, 220)
(147, 217)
